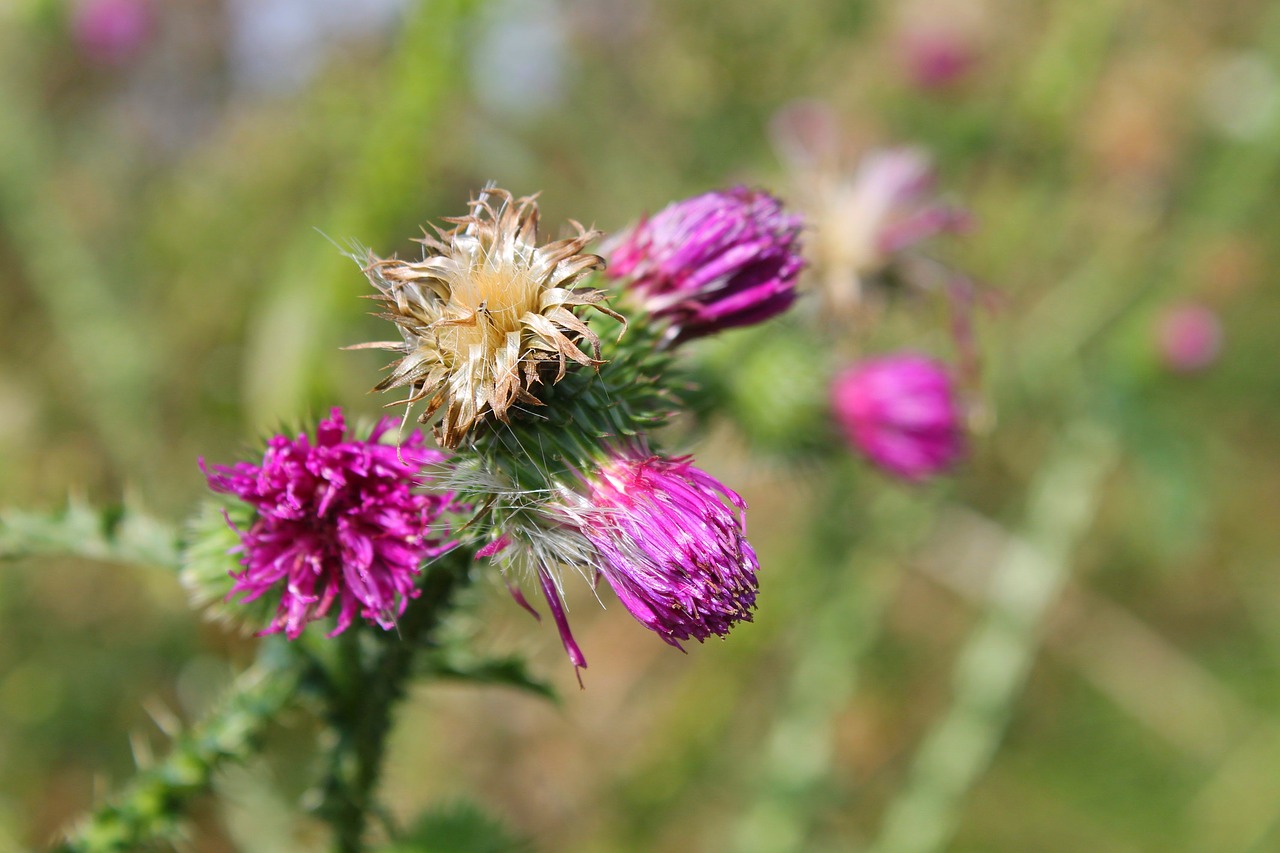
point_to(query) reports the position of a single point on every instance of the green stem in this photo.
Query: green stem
(994, 662)
(149, 809)
(844, 600)
(363, 696)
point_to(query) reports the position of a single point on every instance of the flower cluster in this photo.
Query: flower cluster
(712, 262)
(338, 521)
(488, 329)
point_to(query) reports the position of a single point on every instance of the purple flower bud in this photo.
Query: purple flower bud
(1189, 336)
(935, 58)
(339, 522)
(111, 31)
(901, 412)
(712, 262)
(676, 555)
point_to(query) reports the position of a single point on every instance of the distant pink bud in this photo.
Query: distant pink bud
(715, 261)
(111, 31)
(673, 550)
(935, 58)
(338, 523)
(901, 412)
(1190, 337)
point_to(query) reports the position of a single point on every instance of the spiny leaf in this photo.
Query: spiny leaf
(121, 534)
(459, 828)
(507, 671)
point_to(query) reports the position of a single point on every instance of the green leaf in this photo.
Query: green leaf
(457, 664)
(460, 827)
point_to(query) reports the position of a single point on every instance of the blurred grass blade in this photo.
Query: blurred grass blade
(800, 746)
(994, 662)
(111, 367)
(291, 337)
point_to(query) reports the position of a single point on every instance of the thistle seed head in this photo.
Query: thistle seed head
(487, 315)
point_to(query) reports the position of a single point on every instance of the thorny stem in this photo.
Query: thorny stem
(370, 681)
(150, 807)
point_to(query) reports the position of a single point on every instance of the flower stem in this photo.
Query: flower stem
(994, 664)
(370, 680)
(151, 806)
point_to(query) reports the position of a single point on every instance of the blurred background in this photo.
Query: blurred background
(1073, 643)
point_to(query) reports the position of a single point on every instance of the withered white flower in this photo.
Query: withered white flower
(487, 314)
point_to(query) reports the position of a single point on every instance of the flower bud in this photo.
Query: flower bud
(676, 555)
(900, 411)
(111, 31)
(715, 261)
(1189, 337)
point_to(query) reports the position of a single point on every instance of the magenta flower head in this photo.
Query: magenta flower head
(672, 549)
(715, 261)
(901, 412)
(1189, 336)
(338, 522)
(111, 31)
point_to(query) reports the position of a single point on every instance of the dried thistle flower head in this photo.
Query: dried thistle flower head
(487, 314)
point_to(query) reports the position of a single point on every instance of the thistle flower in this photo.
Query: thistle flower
(868, 222)
(935, 57)
(111, 31)
(900, 411)
(338, 522)
(487, 314)
(1189, 337)
(676, 555)
(715, 261)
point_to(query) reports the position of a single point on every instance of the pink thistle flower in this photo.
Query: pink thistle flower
(935, 58)
(111, 31)
(715, 261)
(901, 412)
(337, 521)
(1189, 336)
(676, 555)
(869, 221)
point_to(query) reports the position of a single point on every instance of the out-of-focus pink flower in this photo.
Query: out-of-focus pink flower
(341, 521)
(1189, 337)
(867, 221)
(111, 31)
(901, 412)
(715, 261)
(935, 58)
(671, 547)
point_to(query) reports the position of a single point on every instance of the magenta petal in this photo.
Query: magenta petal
(518, 595)
(562, 622)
